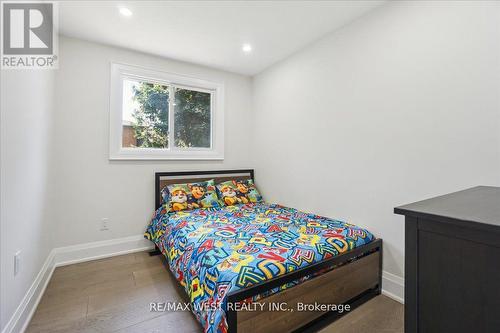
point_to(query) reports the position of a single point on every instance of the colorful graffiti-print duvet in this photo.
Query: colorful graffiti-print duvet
(216, 251)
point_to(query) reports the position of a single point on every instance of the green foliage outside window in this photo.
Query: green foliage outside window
(151, 118)
(191, 117)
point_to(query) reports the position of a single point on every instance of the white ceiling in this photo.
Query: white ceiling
(210, 33)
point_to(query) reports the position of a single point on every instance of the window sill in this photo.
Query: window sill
(124, 155)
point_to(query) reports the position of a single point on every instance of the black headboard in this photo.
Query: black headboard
(163, 179)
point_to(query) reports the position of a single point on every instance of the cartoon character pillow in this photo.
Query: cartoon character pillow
(190, 196)
(234, 192)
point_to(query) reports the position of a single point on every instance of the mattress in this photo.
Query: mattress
(213, 252)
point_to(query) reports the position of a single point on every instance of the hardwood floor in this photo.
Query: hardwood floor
(114, 295)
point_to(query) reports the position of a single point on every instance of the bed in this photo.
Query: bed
(262, 267)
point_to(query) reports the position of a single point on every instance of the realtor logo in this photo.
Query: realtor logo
(29, 35)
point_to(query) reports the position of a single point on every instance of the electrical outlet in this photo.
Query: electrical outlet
(104, 224)
(17, 262)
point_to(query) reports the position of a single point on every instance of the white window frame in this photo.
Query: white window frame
(120, 72)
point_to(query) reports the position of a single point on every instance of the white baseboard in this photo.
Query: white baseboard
(21, 317)
(68, 255)
(97, 250)
(393, 286)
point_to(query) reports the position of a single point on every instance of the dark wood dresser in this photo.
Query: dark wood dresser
(452, 262)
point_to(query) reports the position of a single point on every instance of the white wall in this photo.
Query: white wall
(400, 105)
(26, 116)
(88, 186)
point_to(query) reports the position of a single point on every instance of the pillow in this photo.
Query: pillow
(234, 192)
(190, 196)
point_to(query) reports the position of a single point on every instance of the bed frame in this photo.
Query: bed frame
(356, 278)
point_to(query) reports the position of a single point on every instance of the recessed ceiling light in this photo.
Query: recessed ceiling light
(246, 48)
(125, 11)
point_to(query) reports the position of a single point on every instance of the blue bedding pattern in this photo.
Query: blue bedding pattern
(213, 252)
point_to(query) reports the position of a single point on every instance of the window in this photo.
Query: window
(158, 115)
